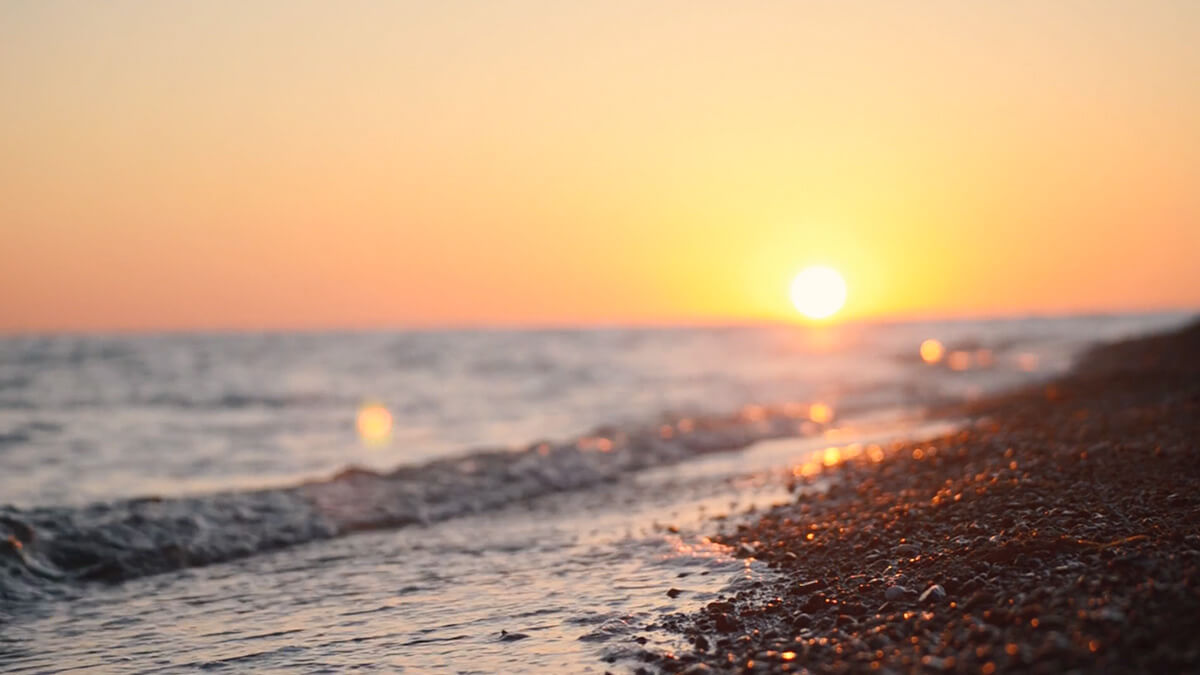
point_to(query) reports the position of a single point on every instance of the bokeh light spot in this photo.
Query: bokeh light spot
(820, 413)
(932, 351)
(1027, 362)
(959, 360)
(831, 457)
(374, 423)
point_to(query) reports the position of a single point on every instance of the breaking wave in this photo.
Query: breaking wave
(46, 549)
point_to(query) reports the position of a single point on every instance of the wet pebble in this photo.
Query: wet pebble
(725, 623)
(934, 593)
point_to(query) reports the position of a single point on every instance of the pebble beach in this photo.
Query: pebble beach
(1057, 531)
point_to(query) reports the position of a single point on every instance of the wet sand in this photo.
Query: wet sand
(1058, 531)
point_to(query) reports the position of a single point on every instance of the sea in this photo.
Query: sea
(440, 501)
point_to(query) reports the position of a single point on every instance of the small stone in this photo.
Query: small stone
(1052, 622)
(981, 599)
(674, 593)
(725, 623)
(855, 608)
(908, 550)
(897, 593)
(1108, 614)
(937, 663)
(934, 593)
(815, 603)
(747, 550)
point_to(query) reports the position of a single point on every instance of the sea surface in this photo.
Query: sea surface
(473, 501)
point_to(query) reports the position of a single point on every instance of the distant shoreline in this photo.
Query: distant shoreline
(1058, 531)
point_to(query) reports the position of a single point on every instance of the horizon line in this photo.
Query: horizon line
(598, 325)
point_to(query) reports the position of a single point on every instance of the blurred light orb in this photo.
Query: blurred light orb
(1027, 362)
(831, 457)
(959, 360)
(818, 292)
(374, 423)
(820, 413)
(932, 351)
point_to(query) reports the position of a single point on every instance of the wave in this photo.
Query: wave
(44, 549)
(227, 401)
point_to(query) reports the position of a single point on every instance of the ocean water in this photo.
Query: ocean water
(174, 502)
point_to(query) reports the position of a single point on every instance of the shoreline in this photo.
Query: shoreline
(1060, 530)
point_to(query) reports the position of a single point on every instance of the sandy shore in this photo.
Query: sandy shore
(1059, 531)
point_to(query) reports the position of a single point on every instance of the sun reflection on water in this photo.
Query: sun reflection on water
(596, 443)
(374, 423)
(959, 360)
(821, 413)
(1027, 362)
(932, 351)
(834, 455)
(831, 457)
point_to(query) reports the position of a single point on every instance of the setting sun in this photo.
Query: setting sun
(818, 292)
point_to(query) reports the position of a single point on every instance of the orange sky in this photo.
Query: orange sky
(362, 164)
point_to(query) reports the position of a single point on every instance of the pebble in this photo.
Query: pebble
(815, 603)
(934, 593)
(937, 663)
(725, 623)
(897, 593)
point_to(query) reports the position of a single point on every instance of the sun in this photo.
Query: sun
(818, 292)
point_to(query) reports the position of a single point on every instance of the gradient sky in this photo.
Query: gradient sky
(171, 165)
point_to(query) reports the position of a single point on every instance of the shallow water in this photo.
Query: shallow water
(547, 556)
(576, 577)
